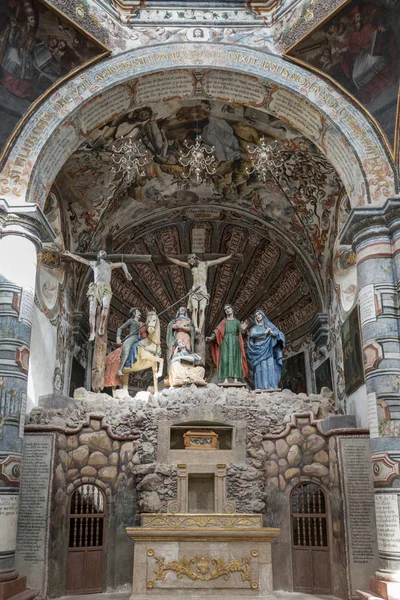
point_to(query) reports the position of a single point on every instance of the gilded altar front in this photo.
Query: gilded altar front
(202, 556)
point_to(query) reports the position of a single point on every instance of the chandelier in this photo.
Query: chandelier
(198, 161)
(129, 160)
(265, 158)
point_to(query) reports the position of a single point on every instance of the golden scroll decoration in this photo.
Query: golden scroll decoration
(203, 568)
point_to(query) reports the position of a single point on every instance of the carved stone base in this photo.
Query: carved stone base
(202, 556)
(268, 390)
(16, 590)
(378, 589)
(239, 384)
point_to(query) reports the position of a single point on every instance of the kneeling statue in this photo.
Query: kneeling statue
(183, 369)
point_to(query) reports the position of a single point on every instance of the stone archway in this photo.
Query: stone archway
(324, 115)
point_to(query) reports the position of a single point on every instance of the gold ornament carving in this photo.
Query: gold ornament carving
(202, 521)
(254, 552)
(150, 585)
(150, 552)
(203, 568)
(50, 259)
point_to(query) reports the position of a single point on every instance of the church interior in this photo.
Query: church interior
(199, 299)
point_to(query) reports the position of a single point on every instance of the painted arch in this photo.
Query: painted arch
(314, 107)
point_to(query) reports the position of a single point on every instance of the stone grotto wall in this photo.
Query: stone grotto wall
(115, 445)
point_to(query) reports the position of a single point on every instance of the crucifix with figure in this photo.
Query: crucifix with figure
(100, 294)
(199, 296)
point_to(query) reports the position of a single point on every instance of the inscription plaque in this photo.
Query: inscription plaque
(34, 510)
(367, 304)
(388, 524)
(8, 521)
(26, 307)
(359, 511)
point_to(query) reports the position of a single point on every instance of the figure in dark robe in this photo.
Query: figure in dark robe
(370, 71)
(16, 54)
(137, 331)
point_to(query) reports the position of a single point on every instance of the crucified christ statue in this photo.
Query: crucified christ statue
(99, 291)
(199, 297)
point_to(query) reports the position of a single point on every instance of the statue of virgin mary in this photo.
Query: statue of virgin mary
(264, 349)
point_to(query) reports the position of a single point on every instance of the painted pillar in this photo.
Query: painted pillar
(22, 229)
(375, 236)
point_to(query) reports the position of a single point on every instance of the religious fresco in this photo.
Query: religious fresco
(294, 203)
(323, 376)
(359, 47)
(37, 49)
(294, 375)
(352, 355)
(321, 114)
(50, 273)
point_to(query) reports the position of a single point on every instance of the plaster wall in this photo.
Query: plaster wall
(42, 358)
(357, 404)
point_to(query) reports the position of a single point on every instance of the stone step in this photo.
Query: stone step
(11, 588)
(367, 595)
(390, 590)
(25, 595)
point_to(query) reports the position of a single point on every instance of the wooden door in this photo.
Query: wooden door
(86, 541)
(310, 540)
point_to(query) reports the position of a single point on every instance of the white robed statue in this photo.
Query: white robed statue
(184, 368)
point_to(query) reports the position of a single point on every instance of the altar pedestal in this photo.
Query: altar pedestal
(199, 556)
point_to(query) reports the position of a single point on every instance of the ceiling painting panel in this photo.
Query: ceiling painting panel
(359, 47)
(38, 49)
(299, 198)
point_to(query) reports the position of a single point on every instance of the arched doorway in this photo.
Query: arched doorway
(310, 540)
(86, 540)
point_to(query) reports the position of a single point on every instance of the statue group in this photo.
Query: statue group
(141, 348)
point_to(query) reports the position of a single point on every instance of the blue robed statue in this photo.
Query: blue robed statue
(264, 349)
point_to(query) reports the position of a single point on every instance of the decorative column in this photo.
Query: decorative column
(22, 229)
(375, 236)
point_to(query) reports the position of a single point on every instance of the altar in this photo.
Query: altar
(204, 555)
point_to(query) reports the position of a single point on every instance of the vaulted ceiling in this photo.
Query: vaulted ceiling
(284, 228)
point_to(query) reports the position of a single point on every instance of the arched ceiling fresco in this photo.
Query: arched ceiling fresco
(284, 228)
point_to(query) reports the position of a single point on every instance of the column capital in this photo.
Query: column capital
(370, 222)
(26, 220)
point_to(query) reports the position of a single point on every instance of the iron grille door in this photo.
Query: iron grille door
(86, 541)
(310, 540)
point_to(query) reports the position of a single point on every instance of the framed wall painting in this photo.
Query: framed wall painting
(293, 376)
(352, 354)
(323, 376)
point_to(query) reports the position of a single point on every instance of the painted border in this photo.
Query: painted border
(345, 118)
